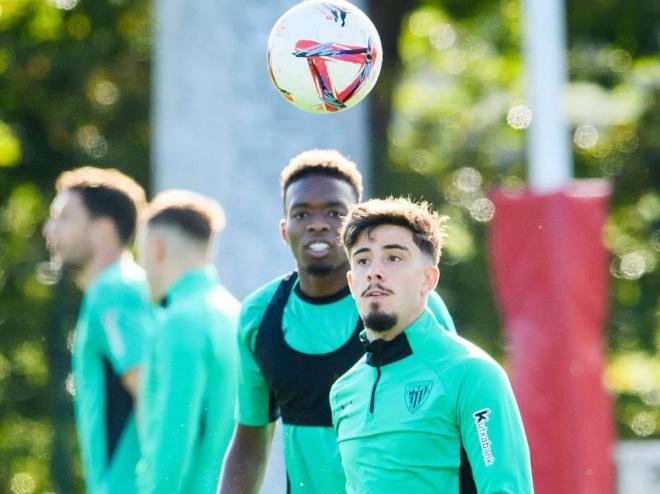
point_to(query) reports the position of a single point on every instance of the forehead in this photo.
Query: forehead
(386, 235)
(319, 190)
(66, 200)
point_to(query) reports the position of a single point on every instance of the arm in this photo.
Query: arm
(440, 311)
(131, 381)
(492, 432)
(125, 318)
(248, 452)
(245, 464)
(172, 402)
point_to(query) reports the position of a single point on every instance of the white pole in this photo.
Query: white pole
(222, 129)
(550, 164)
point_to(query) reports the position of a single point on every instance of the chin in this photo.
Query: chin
(320, 269)
(72, 263)
(380, 321)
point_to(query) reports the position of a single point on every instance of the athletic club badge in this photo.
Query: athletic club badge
(416, 394)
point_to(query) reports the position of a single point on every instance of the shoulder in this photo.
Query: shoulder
(224, 303)
(125, 283)
(444, 352)
(255, 304)
(261, 297)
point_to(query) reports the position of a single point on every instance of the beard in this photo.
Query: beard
(380, 321)
(320, 269)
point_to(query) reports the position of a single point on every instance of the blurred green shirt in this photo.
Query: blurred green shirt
(429, 412)
(188, 391)
(114, 319)
(311, 456)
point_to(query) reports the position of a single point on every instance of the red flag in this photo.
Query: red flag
(550, 273)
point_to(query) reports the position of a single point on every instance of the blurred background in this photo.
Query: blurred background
(447, 122)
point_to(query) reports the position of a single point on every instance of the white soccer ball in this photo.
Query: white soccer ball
(324, 57)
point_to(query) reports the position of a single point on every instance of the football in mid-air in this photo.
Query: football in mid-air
(324, 57)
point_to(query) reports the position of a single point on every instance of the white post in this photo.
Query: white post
(222, 129)
(550, 164)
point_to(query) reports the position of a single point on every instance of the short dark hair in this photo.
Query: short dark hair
(427, 226)
(327, 162)
(196, 216)
(107, 193)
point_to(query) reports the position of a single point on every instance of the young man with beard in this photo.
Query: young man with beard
(298, 333)
(424, 410)
(91, 227)
(188, 390)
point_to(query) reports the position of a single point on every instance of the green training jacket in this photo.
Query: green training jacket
(429, 412)
(115, 318)
(188, 390)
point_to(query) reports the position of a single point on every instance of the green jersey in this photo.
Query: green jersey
(114, 319)
(311, 326)
(429, 412)
(188, 391)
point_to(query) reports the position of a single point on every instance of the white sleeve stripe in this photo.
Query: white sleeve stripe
(113, 334)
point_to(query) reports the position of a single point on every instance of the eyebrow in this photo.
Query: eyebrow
(360, 251)
(385, 247)
(332, 204)
(395, 246)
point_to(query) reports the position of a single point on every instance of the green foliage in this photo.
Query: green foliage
(458, 126)
(74, 89)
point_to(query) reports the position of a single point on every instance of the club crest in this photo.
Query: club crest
(416, 394)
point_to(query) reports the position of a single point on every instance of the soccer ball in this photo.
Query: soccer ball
(324, 57)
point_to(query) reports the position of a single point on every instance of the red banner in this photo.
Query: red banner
(550, 274)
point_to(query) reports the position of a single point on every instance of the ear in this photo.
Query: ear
(349, 278)
(283, 231)
(159, 245)
(431, 277)
(102, 230)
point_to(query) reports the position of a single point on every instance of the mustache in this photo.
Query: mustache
(376, 286)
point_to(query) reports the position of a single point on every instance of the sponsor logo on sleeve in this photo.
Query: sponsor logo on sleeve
(416, 394)
(480, 419)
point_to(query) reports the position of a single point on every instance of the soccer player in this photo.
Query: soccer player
(298, 333)
(188, 391)
(424, 410)
(91, 226)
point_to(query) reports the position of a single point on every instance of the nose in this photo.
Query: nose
(46, 231)
(375, 272)
(318, 224)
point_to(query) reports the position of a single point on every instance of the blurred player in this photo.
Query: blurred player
(91, 227)
(188, 391)
(424, 411)
(298, 333)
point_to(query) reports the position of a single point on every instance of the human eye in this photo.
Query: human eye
(299, 215)
(394, 258)
(336, 213)
(362, 261)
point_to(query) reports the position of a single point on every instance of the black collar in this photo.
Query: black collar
(328, 299)
(381, 352)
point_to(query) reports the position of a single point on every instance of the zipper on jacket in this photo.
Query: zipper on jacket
(373, 391)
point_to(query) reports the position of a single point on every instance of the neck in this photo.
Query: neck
(98, 263)
(390, 334)
(176, 271)
(322, 286)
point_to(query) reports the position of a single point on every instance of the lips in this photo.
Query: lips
(377, 291)
(318, 248)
